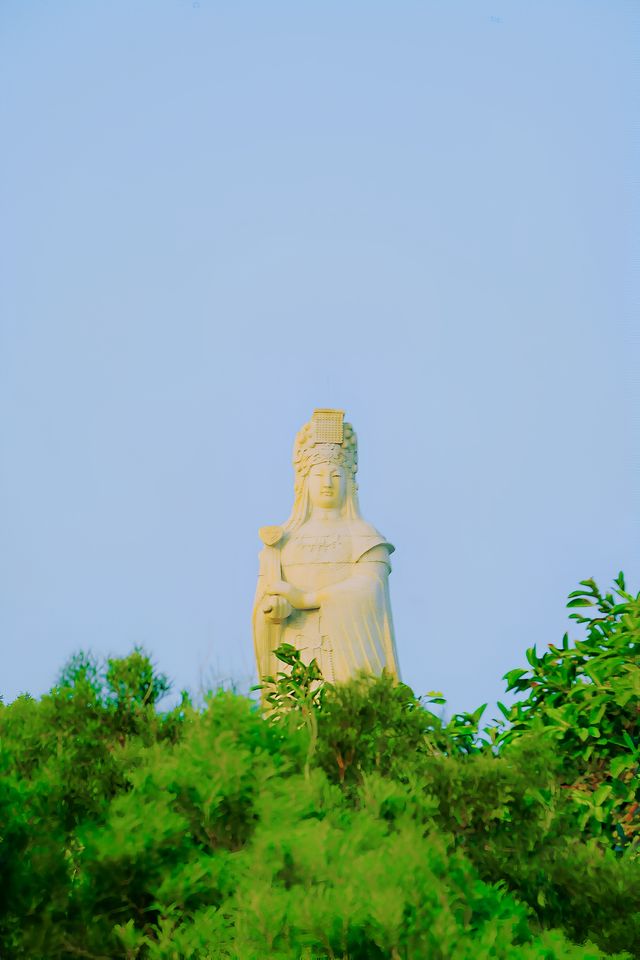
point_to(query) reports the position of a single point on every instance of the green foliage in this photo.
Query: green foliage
(333, 821)
(586, 698)
(294, 690)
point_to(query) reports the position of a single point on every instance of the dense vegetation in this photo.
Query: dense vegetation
(342, 821)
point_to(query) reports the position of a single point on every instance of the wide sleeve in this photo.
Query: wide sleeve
(356, 616)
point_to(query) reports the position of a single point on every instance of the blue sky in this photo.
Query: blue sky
(218, 216)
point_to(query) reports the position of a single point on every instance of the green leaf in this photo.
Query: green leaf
(513, 676)
(621, 765)
(580, 603)
(590, 583)
(619, 608)
(532, 656)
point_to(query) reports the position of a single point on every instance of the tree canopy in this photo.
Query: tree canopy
(347, 821)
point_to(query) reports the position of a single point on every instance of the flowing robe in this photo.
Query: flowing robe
(352, 629)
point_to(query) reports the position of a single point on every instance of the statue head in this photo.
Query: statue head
(325, 460)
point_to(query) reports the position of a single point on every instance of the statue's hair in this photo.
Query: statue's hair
(307, 450)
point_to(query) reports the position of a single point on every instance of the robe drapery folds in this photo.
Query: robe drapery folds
(352, 629)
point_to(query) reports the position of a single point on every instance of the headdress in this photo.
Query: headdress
(325, 439)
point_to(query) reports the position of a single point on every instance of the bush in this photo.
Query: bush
(342, 821)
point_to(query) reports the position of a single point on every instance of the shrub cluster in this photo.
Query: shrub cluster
(345, 821)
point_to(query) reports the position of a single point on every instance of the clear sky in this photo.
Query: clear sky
(217, 216)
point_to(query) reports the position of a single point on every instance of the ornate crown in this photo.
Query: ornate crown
(326, 439)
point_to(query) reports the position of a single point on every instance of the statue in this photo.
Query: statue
(323, 582)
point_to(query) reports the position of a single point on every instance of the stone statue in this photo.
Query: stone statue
(323, 582)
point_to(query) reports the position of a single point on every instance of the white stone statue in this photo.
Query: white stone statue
(323, 582)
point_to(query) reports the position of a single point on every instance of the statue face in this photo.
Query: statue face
(327, 485)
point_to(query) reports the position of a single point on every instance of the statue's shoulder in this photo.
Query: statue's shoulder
(364, 537)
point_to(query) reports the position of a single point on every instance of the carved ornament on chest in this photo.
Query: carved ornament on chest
(333, 548)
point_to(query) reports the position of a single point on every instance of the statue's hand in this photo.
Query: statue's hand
(280, 588)
(276, 609)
